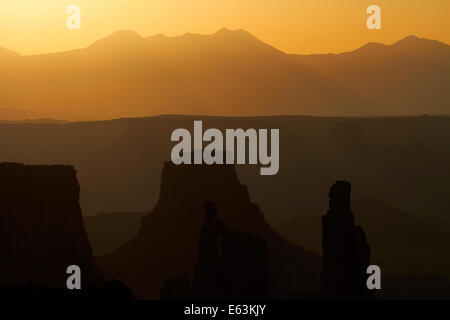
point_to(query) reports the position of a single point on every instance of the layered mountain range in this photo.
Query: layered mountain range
(225, 73)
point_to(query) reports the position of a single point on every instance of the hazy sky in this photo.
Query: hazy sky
(294, 26)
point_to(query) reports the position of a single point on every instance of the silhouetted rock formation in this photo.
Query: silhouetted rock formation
(346, 253)
(210, 278)
(41, 227)
(42, 232)
(168, 241)
(245, 260)
(231, 265)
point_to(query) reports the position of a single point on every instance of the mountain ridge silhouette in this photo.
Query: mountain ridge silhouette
(225, 73)
(122, 34)
(411, 74)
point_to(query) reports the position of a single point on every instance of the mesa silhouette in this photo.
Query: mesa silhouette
(42, 233)
(168, 239)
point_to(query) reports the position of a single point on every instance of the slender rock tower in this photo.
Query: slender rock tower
(346, 253)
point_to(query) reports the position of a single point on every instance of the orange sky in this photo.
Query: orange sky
(294, 26)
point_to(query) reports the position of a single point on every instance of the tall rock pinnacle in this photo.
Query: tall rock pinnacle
(346, 253)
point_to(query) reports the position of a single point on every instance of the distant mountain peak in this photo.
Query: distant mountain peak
(415, 42)
(124, 34)
(223, 30)
(411, 39)
(372, 46)
(411, 42)
(226, 33)
(245, 34)
(122, 38)
(8, 53)
(241, 36)
(238, 32)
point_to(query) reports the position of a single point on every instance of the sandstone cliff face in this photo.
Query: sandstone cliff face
(167, 242)
(41, 226)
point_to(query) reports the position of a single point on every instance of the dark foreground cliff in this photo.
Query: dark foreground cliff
(167, 242)
(42, 233)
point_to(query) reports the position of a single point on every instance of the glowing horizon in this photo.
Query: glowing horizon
(300, 26)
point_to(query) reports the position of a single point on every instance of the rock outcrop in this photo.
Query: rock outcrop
(42, 233)
(346, 253)
(167, 243)
(231, 265)
(41, 226)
